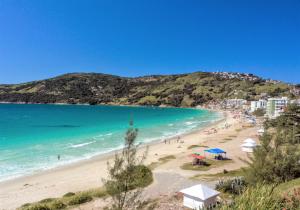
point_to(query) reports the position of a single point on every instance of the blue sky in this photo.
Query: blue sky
(45, 38)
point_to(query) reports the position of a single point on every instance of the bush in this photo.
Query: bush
(25, 205)
(69, 194)
(79, 199)
(234, 186)
(259, 197)
(47, 200)
(37, 206)
(143, 176)
(98, 193)
(57, 204)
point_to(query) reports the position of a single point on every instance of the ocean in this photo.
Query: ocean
(32, 136)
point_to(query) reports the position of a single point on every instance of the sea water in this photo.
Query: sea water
(39, 137)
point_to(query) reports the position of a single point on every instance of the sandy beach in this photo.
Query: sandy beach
(89, 173)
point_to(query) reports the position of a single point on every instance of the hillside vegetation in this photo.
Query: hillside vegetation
(171, 90)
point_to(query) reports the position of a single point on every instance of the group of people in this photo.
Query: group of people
(178, 140)
(212, 130)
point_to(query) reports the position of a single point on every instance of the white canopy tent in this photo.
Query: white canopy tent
(261, 131)
(248, 145)
(249, 140)
(199, 197)
(251, 145)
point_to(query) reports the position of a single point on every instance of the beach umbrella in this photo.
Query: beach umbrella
(215, 151)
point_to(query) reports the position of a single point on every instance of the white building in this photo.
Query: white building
(199, 197)
(261, 104)
(275, 106)
(296, 101)
(235, 103)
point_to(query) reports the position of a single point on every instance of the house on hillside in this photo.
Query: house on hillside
(276, 106)
(255, 105)
(234, 103)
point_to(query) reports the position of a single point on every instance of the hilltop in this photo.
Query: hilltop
(171, 90)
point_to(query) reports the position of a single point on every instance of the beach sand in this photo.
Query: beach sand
(88, 174)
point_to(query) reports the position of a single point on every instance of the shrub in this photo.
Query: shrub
(57, 204)
(143, 176)
(98, 193)
(25, 205)
(79, 199)
(69, 194)
(37, 206)
(259, 197)
(234, 186)
(47, 200)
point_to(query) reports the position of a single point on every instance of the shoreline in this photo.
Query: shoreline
(110, 154)
(219, 115)
(112, 104)
(85, 174)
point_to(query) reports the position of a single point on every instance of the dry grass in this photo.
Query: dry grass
(197, 146)
(161, 161)
(217, 176)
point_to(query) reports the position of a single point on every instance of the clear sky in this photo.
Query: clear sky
(45, 38)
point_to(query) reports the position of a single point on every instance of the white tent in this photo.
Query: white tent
(199, 197)
(249, 140)
(261, 131)
(247, 149)
(249, 145)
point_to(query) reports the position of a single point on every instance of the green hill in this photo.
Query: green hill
(170, 90)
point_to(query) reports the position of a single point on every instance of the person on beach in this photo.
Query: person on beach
(165, 141)
(58, 157)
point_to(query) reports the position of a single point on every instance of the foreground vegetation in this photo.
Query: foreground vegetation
(272, 178)
(127, 177)
(68, 200)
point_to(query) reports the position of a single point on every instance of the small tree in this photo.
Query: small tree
(277, 159)
(127, 175)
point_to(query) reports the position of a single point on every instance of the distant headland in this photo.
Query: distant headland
(181, 90)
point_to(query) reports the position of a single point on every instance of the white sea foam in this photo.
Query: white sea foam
(153, 134)
(82, 145)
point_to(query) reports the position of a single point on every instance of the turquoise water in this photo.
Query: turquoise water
(32, 136)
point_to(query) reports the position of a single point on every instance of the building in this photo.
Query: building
(199, 197)
(235, 103)
(296, 101)
(275, 106)
(261, 104)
